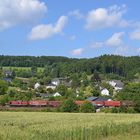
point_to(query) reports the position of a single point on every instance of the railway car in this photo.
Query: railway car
(98, 103)
(112, 103)
(18, 103)
(79, 103)
(54, 103)
(38, 103)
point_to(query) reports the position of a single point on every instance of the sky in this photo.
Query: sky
(71, 28)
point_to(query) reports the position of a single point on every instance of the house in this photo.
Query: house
(98, 102)
(36, 86)
(51, 86)
(105, 92)
(98, 98)
(102, 99)
(8, 73)
(47, 95)
(44, 95)
(92, 98)
(55, 81)
(9, 80)
(116, 84)
(56, 94)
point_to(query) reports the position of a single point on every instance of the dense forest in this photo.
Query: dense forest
(62, 66)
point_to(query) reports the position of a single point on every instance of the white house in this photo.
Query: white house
(116, 84)
(56, 94)
(105, 92)
(51, 86)
(55, 81)
(36, 86)
(112, 83)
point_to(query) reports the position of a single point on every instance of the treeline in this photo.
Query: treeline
(62, 66)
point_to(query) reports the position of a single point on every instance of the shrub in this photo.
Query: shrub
(69, 106)
(122, 109)
(130, 110)
(114, 110)
(87, 107)
(4, 99)
(105, 110)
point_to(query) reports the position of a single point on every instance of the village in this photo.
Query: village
(100, 93)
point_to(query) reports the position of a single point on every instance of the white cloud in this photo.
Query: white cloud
(77, 51)
(60, 24)
(103, 18)
(135, 35)
(115, 40)
(77, 14)
(45, 31)
(20, 12)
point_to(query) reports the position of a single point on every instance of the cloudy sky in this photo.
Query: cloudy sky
(72, 28)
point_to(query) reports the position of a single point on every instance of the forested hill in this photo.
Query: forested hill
(122, 66)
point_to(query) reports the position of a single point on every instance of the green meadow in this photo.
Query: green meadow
(22, 68)
(68, 126)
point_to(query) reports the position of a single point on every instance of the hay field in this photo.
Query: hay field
(68, 126)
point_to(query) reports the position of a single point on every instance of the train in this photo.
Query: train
(55, 104)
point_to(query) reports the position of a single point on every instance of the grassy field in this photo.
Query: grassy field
(68, 126)
(22, 68)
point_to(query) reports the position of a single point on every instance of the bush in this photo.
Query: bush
(4, 99)
(105, 110)
(69, 106)
(114, 110)
(87, 107)
(3, 87)
(122, 109)
(131, 110)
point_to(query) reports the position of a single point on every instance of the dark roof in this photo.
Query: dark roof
(8, 72)
(60, 79)
(44, 95)
(7, 79)
(92, 98)
(101, 99)
(97, 99)
(119, 83)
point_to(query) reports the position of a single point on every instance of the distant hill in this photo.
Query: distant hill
(106, 64)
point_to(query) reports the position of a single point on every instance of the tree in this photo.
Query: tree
(87, 107)
(95, 77)
(34, 70)
(4, 99)
(96, 91)
(62, 89)
(75, 80)
(131, 92)
(1, 72)
(3, 87)
(88, 91)
(69, 106)
(84, 80)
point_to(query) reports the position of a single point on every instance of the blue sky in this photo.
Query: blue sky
(72, 28)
